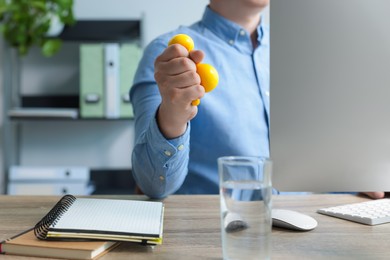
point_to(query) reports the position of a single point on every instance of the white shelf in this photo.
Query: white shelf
(43, 113)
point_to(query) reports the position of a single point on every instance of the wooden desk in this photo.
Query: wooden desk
(192, 229)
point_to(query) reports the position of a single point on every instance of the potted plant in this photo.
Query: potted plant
(25, 23)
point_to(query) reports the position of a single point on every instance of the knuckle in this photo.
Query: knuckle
(201, 90)
(186, 64)
(197, 78)
(158, 60)
(161, 79)
(157, 76)
(176, 49)
(194, 77)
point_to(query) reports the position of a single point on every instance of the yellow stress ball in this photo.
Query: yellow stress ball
(195, 102)
(208, 76)
(184, 40)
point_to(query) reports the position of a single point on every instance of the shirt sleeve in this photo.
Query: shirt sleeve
(159, 165)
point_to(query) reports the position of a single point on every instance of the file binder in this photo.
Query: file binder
(111, 68)
(130, 55)
(91, 81)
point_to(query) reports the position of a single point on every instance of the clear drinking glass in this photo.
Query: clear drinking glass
(245, 193)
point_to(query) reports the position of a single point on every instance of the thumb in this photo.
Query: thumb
(196, 56)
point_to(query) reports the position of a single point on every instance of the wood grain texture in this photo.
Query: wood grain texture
(192, 229)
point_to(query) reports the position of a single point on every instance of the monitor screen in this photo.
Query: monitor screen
(330, 95)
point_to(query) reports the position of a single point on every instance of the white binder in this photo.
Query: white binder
(112, 84)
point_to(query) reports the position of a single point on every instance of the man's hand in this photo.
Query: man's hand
(375, 195)
(179, 84)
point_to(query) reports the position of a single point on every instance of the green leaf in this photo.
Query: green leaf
(65, 4)
(3, 9)
(24, 23)
(51, 47)
(39, 5)
(68, 19)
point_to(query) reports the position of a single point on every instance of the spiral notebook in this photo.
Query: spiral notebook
(103, 219)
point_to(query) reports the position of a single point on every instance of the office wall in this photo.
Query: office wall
(158, 16)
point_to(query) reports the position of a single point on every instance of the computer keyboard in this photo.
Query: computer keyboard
(371, 212)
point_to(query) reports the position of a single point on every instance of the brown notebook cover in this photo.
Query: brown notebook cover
(28, 245)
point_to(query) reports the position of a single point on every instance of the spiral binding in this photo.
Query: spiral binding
(42, 227)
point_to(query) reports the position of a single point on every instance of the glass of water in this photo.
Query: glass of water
(245, 193)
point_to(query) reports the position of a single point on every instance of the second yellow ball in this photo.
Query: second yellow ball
(208, 76)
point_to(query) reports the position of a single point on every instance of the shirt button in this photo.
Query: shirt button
(267, 93)
(167, 153)
(161, 178)
(180, 147)
(242, 32)
(231, 42)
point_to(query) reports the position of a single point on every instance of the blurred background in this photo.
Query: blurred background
(56, 135)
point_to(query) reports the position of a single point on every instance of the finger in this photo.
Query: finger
(171, 52)
(186, 79)
(375, 195)
(197, 92)
(176, 66)
(187, 95)
(197, 56)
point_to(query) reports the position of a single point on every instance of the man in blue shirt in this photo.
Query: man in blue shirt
(177, 144)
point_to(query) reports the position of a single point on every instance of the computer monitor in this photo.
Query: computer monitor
(330, 95)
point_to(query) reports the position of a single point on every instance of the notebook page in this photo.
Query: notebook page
(139, 217)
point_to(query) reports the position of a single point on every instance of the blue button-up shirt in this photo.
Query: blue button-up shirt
(233, 119)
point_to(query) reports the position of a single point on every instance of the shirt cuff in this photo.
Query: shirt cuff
(166, 149)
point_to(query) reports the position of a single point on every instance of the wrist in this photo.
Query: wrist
(170, 126)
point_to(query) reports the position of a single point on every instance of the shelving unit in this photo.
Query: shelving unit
(64, 106)
(27, 114)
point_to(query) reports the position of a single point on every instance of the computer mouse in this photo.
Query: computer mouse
(293, 220)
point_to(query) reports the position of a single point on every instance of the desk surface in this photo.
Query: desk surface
(192, 229)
